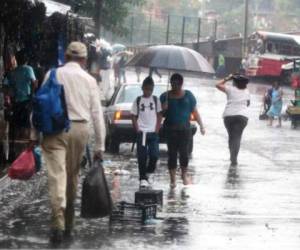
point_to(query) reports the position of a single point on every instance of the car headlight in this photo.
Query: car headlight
(122, 115)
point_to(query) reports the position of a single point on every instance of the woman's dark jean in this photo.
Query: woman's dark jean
(178, 142)
(235, 126)
(148, 154)
(21, 114)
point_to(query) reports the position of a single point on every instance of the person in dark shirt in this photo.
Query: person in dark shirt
(22, 82)
(178, 106)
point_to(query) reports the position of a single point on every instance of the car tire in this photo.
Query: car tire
(114, 146)
(107, 143)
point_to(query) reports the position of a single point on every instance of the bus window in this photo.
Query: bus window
(285, 49)
(271, 48)
(296, 51)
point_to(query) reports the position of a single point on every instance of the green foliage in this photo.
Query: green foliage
(22, 23)
(21, 18)
(278, 15)
(113, 12)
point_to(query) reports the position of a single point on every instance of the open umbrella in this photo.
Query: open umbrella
(118, 47)
(172, 58)
(124, 53)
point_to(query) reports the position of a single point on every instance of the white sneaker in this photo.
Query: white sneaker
(144, 184)
(151, 178)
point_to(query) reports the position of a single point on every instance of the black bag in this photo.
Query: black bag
(95, 200)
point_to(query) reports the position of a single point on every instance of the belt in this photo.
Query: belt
(79, 121)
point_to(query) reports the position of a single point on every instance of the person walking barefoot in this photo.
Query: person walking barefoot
(178, 105)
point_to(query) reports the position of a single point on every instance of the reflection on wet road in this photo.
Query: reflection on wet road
(255, 205)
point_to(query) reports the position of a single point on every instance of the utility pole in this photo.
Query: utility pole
(131, 29)
(149, 29)
(168, 30)
(215, 29)
(98, 6)
(245, 40)
(199, 31)
(183, 30)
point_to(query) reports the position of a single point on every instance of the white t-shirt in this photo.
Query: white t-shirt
(236, 101)
(147, 114)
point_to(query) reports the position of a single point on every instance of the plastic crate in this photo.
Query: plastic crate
(124, 211)
(149, 196)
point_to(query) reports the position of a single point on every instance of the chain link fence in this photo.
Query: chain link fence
(141, 29)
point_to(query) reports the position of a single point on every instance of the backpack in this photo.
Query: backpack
(50, 115)
(138, 101)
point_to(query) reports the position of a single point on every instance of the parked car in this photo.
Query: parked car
(119, 128)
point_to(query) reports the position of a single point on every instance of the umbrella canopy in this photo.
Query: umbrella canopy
(124, 53)
(101, 44)
(118, 47)
(172, 58)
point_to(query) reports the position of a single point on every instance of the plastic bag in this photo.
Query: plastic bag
(37, 158)
(95, 200)
(23, 167)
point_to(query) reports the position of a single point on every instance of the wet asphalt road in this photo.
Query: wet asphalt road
(255, 205)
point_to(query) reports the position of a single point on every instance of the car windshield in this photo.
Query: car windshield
(130, 92)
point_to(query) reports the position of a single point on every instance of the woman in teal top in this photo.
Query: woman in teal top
(178, 105)
(276, 105)
(179, 110)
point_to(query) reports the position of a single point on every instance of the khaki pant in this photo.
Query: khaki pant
(63, 153)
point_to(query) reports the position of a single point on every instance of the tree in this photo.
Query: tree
(112, 12)
(21, 23)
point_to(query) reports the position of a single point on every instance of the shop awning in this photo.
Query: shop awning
(52, 6)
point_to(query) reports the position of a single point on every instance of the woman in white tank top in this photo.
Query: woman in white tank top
(236, 111)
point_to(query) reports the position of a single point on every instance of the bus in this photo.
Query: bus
(268, 52)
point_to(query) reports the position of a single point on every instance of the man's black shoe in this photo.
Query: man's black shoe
(56, 236)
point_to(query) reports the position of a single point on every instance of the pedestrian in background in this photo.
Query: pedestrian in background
(22, 82)
(138, 71)
(178, 105)
(63, 152)
(221, 69)
(122, 69)
(276, 104)
(116, 68)
(236, 111)
(155, 70)
(146, 119)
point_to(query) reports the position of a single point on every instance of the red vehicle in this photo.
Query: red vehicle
(268, 52)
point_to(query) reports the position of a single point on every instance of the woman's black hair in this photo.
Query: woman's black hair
(21, 57)
(240, 81)
(176, 78)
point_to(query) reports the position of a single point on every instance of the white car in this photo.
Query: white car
(117, 115)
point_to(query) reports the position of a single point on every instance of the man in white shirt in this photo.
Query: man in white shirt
(63, 152)
(146, 119)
